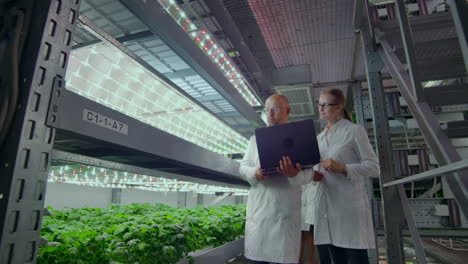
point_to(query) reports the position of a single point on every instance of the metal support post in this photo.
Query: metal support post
(360, 119)
(220, 198)
(239, 200)
(358, 107)
(407, 39)
(459, 9)
(116, 196)
(423, 160)
(200, 199)
(35, 67)
(420, 254)
(422, 6)
(391, 11)
(393, 220)
(181, 199)
(440, 145)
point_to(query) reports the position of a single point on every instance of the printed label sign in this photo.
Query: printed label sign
(105, 121)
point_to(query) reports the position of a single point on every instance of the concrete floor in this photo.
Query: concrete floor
(445, 255)
(436, 254)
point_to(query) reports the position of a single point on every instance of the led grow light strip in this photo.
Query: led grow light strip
(100, 177)
(207, 43)
(432, 83)
(106, 75)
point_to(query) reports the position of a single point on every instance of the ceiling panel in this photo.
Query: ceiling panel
(300, 100)
(315, 32)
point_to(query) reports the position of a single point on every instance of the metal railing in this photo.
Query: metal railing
(452, 167)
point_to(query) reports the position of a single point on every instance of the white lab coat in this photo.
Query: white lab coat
(342, 214)
(309, 191)
(273, 223)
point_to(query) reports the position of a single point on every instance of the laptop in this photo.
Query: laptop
(297, 140)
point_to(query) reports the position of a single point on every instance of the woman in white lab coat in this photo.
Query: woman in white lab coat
(343, 225)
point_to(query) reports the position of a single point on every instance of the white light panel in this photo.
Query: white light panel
(106, 75)
(105, 178)
(432, 83)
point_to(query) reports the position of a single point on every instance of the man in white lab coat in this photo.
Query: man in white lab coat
(273, 224)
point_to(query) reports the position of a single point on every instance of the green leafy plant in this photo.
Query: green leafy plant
(136, 233)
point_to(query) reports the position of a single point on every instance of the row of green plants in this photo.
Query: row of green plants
(136, 233)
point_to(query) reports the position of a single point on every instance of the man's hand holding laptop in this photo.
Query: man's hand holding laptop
(287, 168)
(259, 175)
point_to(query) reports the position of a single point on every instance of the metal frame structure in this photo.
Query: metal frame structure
(356, 90)
(439, 143)
(47, 111)
(25, 157)
(167, 151)
(458, 9)
(377, 53)
(221, 254)
(160, 22)
(444, 170)
(393, 220)
(407, 38)
(93, 27)
(225, 20)
(177, 66)
(156, 149)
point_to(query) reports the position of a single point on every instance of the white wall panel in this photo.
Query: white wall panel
(140, 196)
(61, 195)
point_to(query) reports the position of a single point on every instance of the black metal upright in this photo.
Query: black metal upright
(410, 54)
(46, 31)
(393, 219)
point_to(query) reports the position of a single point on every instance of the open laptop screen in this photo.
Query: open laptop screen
(297, 140)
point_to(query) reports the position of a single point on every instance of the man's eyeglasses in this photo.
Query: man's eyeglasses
(274, 110)
(326, 106)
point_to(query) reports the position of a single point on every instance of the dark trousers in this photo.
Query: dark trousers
(331, 254)
(259, 262)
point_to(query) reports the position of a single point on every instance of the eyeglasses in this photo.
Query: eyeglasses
(326, 105)
(274, 110)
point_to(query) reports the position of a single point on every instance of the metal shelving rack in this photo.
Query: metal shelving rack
(51, 126)
(50, 121)
(386, 46)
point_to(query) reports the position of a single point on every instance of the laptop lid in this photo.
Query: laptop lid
(297, 140)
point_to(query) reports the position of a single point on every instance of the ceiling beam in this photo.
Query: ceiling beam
(126, 38)
(291, 75)
(223, 17)
(180, 74)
